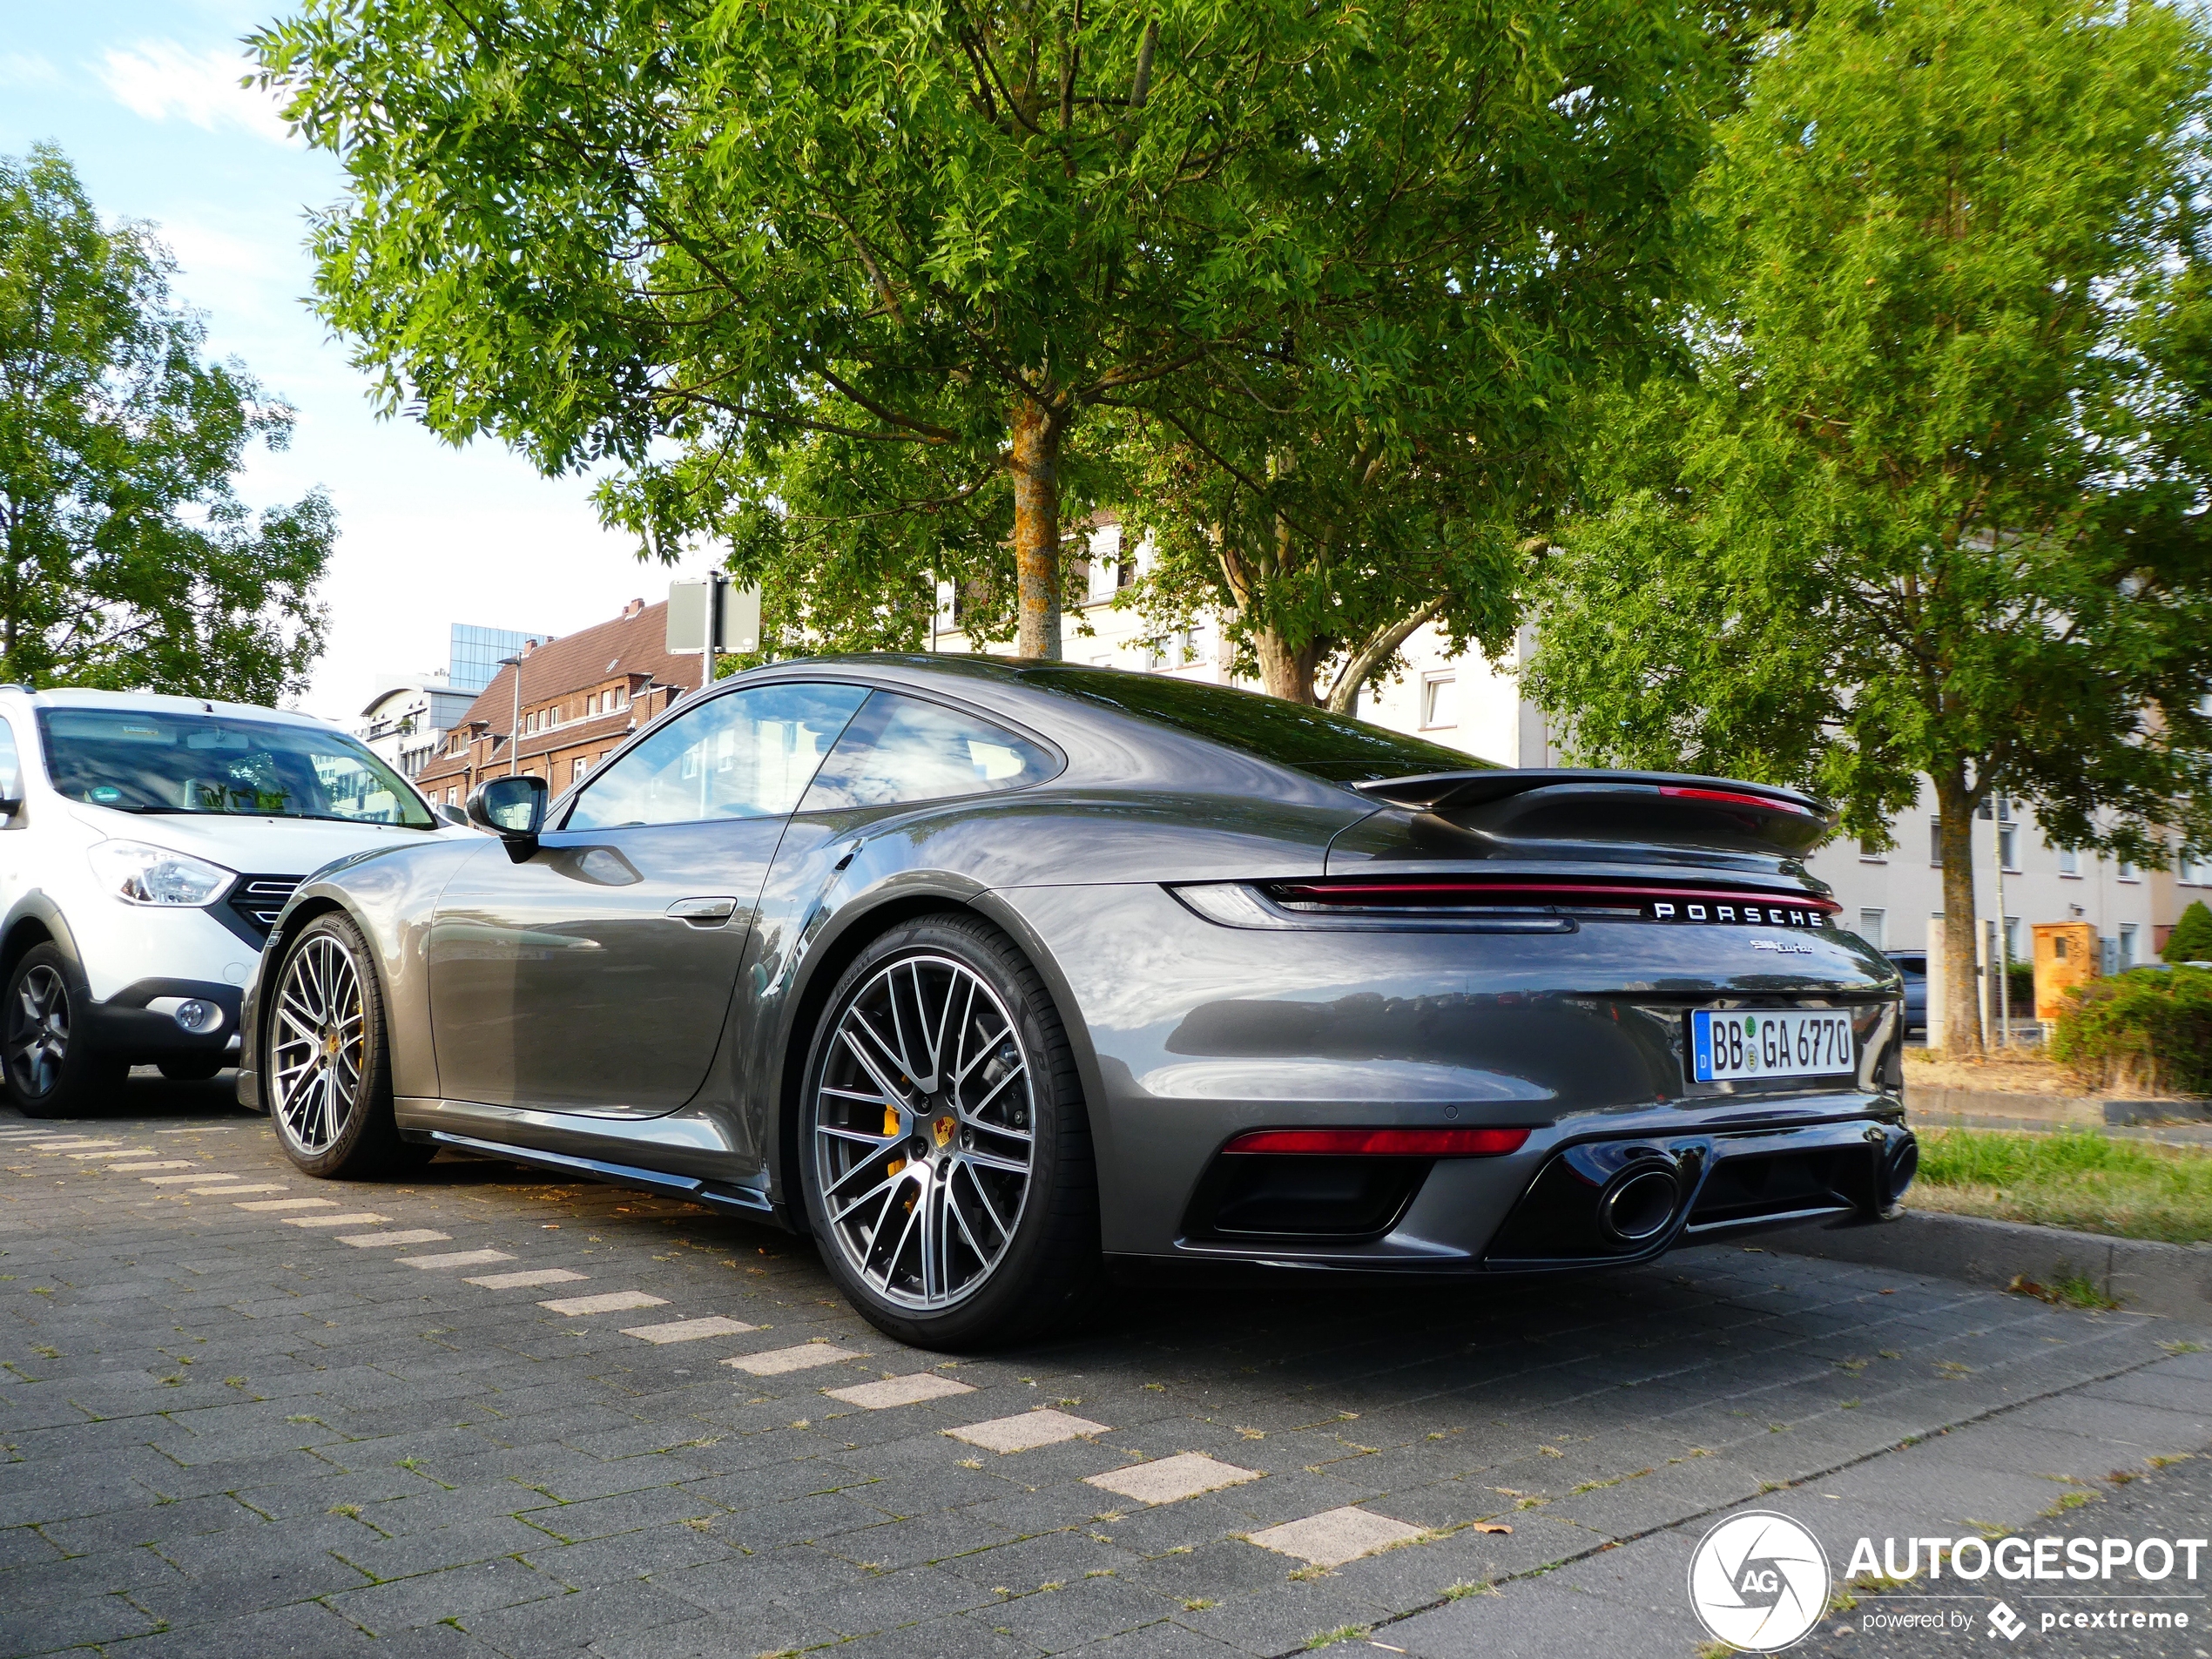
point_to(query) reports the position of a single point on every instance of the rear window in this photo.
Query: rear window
(1313, 741)
(151, 762)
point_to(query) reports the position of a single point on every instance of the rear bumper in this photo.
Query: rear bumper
(1573, 1198)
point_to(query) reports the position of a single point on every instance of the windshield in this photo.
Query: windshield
(136, 760)
(1311, 740)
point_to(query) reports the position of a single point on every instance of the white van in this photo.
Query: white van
(146, 844)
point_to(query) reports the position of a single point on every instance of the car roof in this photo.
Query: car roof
(1059, 699)
(73, 696)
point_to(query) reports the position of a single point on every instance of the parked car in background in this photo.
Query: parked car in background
(146, 845)
(1913, 964)
(981, 971)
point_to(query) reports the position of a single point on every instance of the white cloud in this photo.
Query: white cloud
(158, 79)
(27, 69)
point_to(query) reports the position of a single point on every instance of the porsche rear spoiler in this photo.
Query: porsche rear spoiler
(1528, 803)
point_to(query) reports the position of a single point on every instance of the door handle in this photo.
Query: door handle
(704, 913)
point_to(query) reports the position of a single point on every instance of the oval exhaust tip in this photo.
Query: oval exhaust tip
(1639, 1204)
(1904, 1163)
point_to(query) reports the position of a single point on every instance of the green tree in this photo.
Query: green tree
(1322, 552)
(727, 248)
(126, 559)
(1933, 508)
(2191, 939)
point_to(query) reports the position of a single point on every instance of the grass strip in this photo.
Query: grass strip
(2076, 1178)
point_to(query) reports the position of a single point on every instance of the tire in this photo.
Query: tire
(326, 1057)
(196, 1070)
(52, 1069)
(993, 1137)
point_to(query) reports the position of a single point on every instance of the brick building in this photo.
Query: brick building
(578, 698)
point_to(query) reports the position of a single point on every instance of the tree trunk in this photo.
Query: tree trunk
(1036, 463)
(1343, 695)
(1962, 1006)
(1287, 673)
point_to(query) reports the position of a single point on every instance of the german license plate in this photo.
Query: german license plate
(1725, 1045)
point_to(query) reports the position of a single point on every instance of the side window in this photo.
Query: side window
(902, 749)
(743, 754)
(10, 767)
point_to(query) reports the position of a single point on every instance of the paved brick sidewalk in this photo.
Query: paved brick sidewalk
(485, 1413)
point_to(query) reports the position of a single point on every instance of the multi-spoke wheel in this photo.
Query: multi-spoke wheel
(945, 1158)
(317, 1042)
(324, 1066)
(52, 1066)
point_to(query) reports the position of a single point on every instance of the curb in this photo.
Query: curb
(2072, 1111)
(2146, 1277)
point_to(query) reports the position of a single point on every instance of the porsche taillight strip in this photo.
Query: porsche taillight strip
(1735, 798)
(1369, 894)
(1382, 1142)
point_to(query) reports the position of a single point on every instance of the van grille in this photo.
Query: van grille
(257, 899)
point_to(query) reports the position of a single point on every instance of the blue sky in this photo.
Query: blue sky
(143, 97)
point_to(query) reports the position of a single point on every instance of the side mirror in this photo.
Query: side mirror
(511, 808)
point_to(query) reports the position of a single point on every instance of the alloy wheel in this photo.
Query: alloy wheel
(317, 1049)
(924, 1131)
(38, 1031)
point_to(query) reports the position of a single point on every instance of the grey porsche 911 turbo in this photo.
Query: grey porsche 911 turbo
(985, 973)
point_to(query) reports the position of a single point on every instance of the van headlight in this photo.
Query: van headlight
(138, 873)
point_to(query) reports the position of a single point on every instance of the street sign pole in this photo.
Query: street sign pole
(713, 630)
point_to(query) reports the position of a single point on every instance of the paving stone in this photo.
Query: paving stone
(604, 1302)
(523, 1277)
(176, 1180)
(359, 1219)
(395, 1236)
(909, 1390)
(1169, 1479)
(211, 1192)
(458, 1259)
(1335, 1536)
(1027, 1431)
(776, 1361)
(689, 1329)
(288, 1203)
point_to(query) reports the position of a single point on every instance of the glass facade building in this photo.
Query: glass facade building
(475, 653)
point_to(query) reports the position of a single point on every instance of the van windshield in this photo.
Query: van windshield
(133, 760)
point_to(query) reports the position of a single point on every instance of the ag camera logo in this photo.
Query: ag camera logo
(1759, 1582)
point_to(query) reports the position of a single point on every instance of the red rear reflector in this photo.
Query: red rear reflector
(1734, 797)
(1383, 1143)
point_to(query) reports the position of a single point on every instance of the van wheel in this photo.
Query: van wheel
(325, 1059)
(53, 1071)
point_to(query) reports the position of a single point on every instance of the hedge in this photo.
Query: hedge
(2148, 1029)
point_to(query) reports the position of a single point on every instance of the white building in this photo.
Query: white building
(407, 720)
(1470, 703)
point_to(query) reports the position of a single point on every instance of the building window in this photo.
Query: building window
(453, 795)
(1935, 844)
(2070, 861)
(2129, 871)
(2127, 946)
(2193, 869)
(577, 769)
(1439, 699)
(1870, 853)
(1871, 927)
(2011, 939)
(2008, 836)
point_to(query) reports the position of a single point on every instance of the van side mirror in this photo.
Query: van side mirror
(511, 808)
